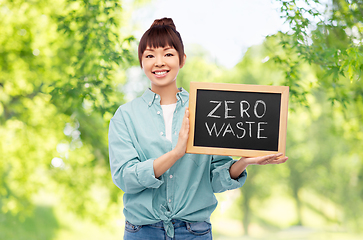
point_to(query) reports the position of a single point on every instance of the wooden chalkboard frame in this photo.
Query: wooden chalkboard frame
(194, 86)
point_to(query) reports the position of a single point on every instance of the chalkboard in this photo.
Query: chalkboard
(237, 119)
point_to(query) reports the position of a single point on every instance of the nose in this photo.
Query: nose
(159, 62)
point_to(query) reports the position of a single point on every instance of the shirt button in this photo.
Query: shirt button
(175, 133)
(158, 112)
(161, 133)
(157, 96)
(170, 200)
(149, 103)
(171, 176)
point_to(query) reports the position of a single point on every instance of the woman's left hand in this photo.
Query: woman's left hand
(263, 160)
(238, 167)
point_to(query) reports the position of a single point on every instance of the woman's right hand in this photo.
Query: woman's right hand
(164, 162)
(181, 145)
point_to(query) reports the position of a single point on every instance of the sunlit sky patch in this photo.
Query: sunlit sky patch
(224, 28)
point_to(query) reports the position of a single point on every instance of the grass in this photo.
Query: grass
(42, 225)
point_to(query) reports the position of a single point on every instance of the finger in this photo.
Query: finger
(272, 158)
(280, 160)
(187, 111)
(186, 119)
(186, 115)
(276, 155)
(185, 124)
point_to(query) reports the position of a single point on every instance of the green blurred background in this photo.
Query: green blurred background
(66, 65)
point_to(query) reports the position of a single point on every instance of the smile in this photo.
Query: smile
(160, 73)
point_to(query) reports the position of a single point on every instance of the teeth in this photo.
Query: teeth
(160, 73)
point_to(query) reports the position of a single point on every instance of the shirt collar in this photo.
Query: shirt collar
(150, 97)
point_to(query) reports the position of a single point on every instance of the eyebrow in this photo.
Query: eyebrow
(152, 50)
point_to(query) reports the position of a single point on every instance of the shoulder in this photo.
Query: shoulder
(128, 109)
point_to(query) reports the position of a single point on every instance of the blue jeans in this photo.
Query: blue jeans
(182, 231)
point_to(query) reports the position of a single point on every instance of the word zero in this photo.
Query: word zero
(244, 107)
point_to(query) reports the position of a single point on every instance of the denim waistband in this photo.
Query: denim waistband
(176, 224)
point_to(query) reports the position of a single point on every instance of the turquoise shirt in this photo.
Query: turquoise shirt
(185, 191)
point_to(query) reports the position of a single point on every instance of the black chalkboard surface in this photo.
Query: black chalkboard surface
(237, 119)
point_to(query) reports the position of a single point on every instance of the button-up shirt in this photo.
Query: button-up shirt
(185, 191)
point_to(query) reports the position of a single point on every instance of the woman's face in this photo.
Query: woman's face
(161, 65)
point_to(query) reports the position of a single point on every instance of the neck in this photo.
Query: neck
(167, 93)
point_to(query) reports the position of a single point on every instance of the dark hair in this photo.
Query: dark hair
(162, 33)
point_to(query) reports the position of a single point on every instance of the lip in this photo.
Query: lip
(160, 75)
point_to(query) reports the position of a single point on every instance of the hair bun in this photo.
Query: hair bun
(164, 21)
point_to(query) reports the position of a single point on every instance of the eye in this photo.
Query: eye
(149, 56)
(169, 55)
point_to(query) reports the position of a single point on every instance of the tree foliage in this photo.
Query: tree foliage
(328, 36)
(61, 66)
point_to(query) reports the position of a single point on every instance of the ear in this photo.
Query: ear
(183, 62)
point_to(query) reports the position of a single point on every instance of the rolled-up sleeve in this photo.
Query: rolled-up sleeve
(220, 177)
(129, 173)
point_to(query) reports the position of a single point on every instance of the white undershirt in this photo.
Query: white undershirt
(168, 111)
